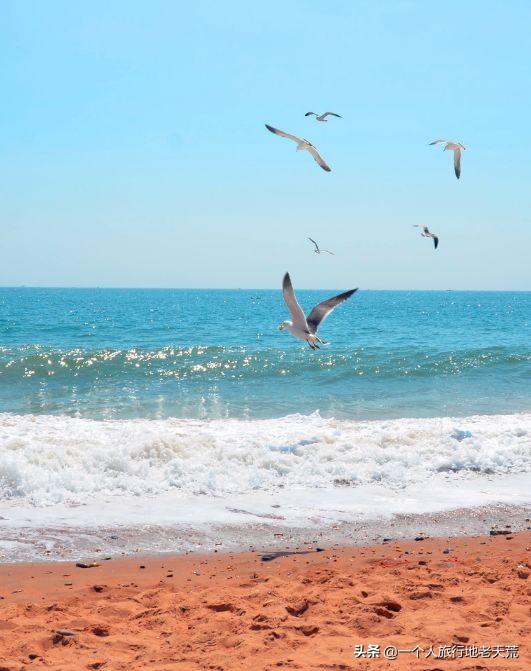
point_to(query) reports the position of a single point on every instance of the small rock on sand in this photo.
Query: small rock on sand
(82, 564)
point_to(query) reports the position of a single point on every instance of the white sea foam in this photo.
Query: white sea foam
(56, 459)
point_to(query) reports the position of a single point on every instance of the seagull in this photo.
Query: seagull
(302, 144)
(322, 117)
(456, 148)
(425, 232)
(305, 328)
(318, 250)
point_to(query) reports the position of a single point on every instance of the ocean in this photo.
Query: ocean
(110, 396)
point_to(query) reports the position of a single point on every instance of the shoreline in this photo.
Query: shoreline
(229, 611)
(249, 531)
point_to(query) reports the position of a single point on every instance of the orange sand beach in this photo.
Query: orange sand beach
(435, 604)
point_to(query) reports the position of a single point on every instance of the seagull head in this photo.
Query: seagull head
(283, 325)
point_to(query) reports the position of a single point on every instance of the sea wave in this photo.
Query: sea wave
(218, 362)
(52, 459)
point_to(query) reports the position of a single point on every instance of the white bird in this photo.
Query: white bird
(305, 328)
(426, 233)
(302, 144)
(318, 250)
(456, 148)
(322, 117)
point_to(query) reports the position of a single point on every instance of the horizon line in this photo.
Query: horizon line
(166, 288)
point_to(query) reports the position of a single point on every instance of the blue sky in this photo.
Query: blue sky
(134, 153)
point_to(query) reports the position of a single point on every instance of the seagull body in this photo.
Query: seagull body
(305, 328)
(322, 117)
(318, 250)
(456, 147)
(426, 233)
(302, 145)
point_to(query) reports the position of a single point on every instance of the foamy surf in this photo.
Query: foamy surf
(46, 460)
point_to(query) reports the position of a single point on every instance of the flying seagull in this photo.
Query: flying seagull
(302, 145)
(456, 148)
(322, 117)
(305, 328)
(318, 250)
(425, 232)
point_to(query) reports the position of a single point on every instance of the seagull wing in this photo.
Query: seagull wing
(310, 114)
(318, 158)
(328, 251)
(437, 142)
(299, 320)
(276, 131)
(435, 241)
(331, 114)
(316, 245)
(322, 310)
(457, 163)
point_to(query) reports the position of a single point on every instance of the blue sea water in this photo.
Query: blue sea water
(133, 353)
(148, 407)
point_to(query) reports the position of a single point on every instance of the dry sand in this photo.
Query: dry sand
(304, 611)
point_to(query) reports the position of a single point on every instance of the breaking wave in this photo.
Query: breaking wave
(51, 459)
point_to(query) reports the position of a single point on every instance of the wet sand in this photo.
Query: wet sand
(225, 611)
(246, 531)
